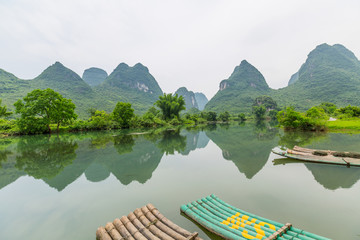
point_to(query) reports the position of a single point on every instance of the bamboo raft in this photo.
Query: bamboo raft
(330, 157)
(232, 223)
(144, 223)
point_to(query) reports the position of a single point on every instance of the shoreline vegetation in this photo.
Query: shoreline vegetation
(46, 112)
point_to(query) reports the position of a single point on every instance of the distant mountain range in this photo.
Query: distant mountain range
(330, 73)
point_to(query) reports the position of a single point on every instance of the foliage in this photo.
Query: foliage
(328, 107)
(290, 119)
(348, 112)
(273, 114)
(170, 105)
(101, 120)
(123, 112)
(242, 117)
(40, 108)
(224, 116)
(259, 112)
(3, 111)
(265, 101)
(209, 116)
(316, 113)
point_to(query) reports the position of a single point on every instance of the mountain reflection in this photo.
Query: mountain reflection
(60, 160)
(248, 147)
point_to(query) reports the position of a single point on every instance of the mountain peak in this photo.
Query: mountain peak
(189, 97)
(323, 57)
(94, 76)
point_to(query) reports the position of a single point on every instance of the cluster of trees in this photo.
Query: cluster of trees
(315, 118)
(44, 111)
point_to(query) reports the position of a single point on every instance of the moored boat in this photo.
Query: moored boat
(319, 156)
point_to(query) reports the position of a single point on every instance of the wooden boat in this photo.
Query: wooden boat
(144, 223)
(319, 156)
(232, 223)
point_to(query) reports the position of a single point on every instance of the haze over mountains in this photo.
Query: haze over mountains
(330, 73)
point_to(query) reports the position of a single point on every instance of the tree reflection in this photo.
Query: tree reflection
(172, 141)
(124, 143)
(43, 157)
(291, 138)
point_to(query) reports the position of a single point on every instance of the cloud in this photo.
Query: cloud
(184, 43)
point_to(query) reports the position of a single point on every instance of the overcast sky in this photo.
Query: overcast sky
(191, 43)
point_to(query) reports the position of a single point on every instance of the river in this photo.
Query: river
(66, 186)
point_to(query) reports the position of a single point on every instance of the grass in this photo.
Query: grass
(344, 125)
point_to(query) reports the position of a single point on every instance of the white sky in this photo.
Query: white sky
(191, 43)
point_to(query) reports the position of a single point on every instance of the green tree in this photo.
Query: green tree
(170, 105)
(40, 108)
(224, 116)
(242, 117)
(265, 101)
(259, 112)
(328, 107)
(316, 113)
(123, 112)
(3, 111)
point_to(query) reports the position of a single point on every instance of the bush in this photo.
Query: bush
(290, 119)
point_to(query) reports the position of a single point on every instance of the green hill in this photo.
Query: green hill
(94, 76)
(129, 84)
(189, 97)
(329, 74)
(237, 93)
(201, 100)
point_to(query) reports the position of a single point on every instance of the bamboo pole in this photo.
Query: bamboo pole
(101, 234)
(156, 231)
(132, 229)
(122, 229)
(142, 229)
(161, 225)
(110, 228)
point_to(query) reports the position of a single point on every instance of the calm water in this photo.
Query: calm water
(64, 187)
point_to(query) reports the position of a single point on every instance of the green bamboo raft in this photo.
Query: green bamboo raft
(232, 223)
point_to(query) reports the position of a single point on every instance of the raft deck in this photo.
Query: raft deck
(306, 154)
(229, 222)
(144, 223)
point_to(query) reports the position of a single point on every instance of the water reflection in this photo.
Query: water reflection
(171, 142)
(60, 160)
(42, 157)
(333, 177)
(329, 176)
(248, 146)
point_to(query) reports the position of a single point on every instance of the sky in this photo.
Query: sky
(191, 43)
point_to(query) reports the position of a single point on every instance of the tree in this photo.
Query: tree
(259, 112)
(3, 111)
(40, 108)
(328, 107)
(225, 116)
(170, 105)
(242, 117)
(265, 101)
(122, 113)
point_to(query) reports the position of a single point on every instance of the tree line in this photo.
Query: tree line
(45, 111)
